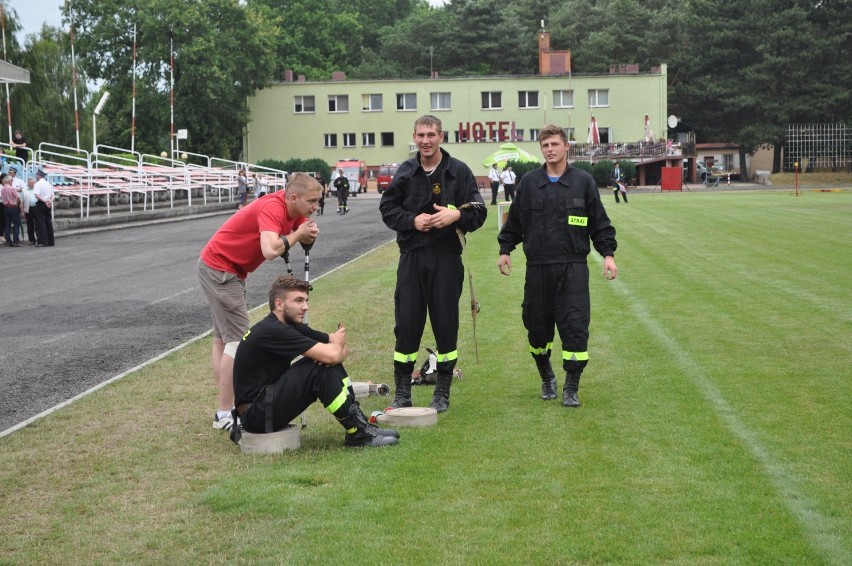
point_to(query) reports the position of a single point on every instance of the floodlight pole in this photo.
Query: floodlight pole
(95, 115)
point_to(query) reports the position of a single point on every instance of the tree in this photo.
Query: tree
(223, 52)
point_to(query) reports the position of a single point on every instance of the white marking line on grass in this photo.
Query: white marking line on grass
(819, 529)
(55, 408)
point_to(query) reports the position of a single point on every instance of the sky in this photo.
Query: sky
(33, 13)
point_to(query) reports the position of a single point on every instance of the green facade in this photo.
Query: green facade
(282, 126)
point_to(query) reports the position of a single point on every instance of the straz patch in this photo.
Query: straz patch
(578, 221)
(436, 189)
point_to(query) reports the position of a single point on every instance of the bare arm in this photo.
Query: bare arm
(272, 245)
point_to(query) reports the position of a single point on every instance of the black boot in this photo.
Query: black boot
(358, 431)
(371, 426)
(569, 391)
(402, 394)
(441, 398)
(548, 379)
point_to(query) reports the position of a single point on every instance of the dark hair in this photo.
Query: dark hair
(283, 285)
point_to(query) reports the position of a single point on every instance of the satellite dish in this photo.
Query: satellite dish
(673, 121)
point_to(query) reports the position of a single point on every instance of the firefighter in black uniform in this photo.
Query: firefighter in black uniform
(341, 184)
(430, 197)
(270, 392)
(557, 211)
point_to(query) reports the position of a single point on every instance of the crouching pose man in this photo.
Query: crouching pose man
(270, 392)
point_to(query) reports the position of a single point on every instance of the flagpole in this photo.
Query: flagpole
(133, 111)
(172, 93)
(74, 86)
(8, 100)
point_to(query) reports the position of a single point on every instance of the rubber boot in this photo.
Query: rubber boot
(441, 398)
(569, 391)
(548, 379)
(358, 431)
(402, 394)
(371, 426)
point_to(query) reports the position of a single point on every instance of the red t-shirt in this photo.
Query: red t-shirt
(235, 247)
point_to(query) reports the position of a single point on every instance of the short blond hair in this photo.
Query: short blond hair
(302, 183)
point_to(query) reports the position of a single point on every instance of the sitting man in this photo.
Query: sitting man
(270, 392)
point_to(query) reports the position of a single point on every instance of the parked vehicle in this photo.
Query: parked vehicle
(385, 176)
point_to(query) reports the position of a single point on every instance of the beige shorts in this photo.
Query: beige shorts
(226, 294)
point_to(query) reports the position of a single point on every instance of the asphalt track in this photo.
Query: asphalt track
(102, 302)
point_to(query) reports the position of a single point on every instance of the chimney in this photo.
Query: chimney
(301, 79)
(338, 76)
(288, 76)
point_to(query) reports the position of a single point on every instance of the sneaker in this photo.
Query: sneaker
(224, 423)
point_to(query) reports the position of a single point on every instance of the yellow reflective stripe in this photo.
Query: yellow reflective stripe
(451, 207)
(338, 402)
(346, 382)
(578, 221)
(448, 356)
(399, 357)
(538, 351)
(575, 356)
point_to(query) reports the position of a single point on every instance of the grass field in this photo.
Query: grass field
(715, 426)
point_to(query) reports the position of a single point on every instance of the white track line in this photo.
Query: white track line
(823, 533)
(55, 408)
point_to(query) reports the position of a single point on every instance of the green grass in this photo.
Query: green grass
(715, 426)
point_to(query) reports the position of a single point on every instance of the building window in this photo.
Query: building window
(492, 100)
(563, 99)
(598, 97)
(368, 139)
(406, 101)
(349, 140)
(533, 134)
(519, 134)
(527, 99)
(569, 133)
(371, 102)
(387, 139)
(440, 101)
(338, 103)
(304, 104)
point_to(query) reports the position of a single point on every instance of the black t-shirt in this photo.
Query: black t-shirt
(266, 352)
(21, 152)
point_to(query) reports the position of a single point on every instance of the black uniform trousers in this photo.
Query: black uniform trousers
(44, 224)
(558, 294)
(495, 188)
(427, 280)
(281, 402)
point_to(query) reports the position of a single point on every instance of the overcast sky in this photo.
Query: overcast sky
(33, 13)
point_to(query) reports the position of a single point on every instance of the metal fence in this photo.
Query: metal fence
(818, 147)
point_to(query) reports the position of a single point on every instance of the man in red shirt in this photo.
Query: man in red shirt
(263, 230)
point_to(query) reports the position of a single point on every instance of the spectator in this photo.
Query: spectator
(242, 188)
(270, 392)
(44, 206)
(19, 144)
(262, 231)
(494, 177)
(507, 177)
(11, 212)
(19, 186)
(430, 203)
(29, 202)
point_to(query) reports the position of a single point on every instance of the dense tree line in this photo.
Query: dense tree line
(739, 70)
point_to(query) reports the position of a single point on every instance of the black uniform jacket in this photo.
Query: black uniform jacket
(411, 192)
(555, 221)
